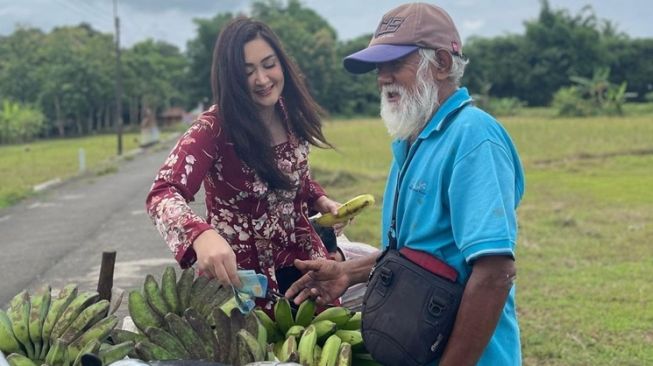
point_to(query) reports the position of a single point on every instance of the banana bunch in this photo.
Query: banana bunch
(330, 338)
(43, 329)
(193, 318)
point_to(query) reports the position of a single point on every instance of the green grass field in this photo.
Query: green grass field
(585, 255)
(585, 260)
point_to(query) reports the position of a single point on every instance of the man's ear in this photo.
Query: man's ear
(445, 61)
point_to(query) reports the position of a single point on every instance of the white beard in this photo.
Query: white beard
(407, 118)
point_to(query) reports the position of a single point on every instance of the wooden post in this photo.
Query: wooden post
(105, 282)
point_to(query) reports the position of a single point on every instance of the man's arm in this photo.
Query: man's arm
(483, 300)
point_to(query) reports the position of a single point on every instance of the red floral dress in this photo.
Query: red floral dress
(267, 229)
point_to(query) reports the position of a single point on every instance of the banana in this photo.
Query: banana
(183, 288)
(337, 314)
(270, 356)
(283, 315)
(90, 347)
(148, 351)
(237, 320)
(98, 332)
(16, 359)
(85, 319)
(153, 296)
(330, 351)
(219, 298)
(57, 307)
(122, 336)
(8, 342)
(40, 305)
(81, 302)
(222, 333)
(354, 323)
(348, 210)
(305, 313)
(295, 331)
(203, 329)
(344, 355)
(249, 349)
(142, 313)
(306, 346)
(324, 329)
(18, 314)
(169, 290)
(353, 337)
(317, 353)
(287, 350)
(229, 305)
(57, 354)
(166, 340)
(196, 288)
(187, 336)
(271, 328)
(205, 295)
(115, 352)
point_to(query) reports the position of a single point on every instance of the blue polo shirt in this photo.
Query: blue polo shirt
(460, 183)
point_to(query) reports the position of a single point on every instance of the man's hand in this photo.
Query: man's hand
(324, 280)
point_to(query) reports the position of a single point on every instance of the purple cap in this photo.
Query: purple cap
(366, 59)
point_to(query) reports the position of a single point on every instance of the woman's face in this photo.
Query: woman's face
(264, 73)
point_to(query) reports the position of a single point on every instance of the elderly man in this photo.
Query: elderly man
(456, 181)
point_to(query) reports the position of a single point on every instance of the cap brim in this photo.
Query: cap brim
(365, 60)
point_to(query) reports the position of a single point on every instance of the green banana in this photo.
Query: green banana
(271, 328)
(269, 350)
(249, 349)
(330, 351)
(57, 354)
(196, 288)
(354, 323)
(153, 296)
(324, 329)
(98, 332)
(148, 351)
(203, 329)
(344, 355)
(18, 314)
(166, 340)
(237, 320)
(295, 331)
(8, 342)
(288, 350)
(85, 319)
(222, 333)
(283, 315)
(115, 352)
(169, 290)
(40, 305)
(337, 314)
(90, 347)
(183, 288)
(57, 307)
(187, 336)
(16, 359)
(306, 346)
(122, 336)
(317, 353)
(305, 313)
(79, 303)
(142, 313)
(353, 337)
(219, 298)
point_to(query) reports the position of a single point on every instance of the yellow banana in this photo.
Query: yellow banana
(306, 346)
(142, 313)
(348, 210)
(271, 328)
(16, 359)
(18, 314)
(39, 309)
(85, 319)
(153, 295)
(57, 307)
(169, 290)
(283, 315)
(337, 314)
(330, 351)
(344, 355)
(81, 302)
(353, 337)
(305, 313)
(8, 342)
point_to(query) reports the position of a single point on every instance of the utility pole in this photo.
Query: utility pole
(118, 78)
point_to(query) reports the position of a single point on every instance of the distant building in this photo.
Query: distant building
(172, 116)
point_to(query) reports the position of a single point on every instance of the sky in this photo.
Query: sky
(172, 20)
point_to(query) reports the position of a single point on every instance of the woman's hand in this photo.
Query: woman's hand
(216, 258)
(323, 205)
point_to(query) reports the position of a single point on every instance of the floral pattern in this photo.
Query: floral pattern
(266, 228)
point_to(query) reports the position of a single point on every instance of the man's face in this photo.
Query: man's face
(409, 96)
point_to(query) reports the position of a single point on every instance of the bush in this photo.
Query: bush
(19, 123)
(569, 102)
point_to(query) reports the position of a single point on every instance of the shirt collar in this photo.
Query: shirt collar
(452, 104)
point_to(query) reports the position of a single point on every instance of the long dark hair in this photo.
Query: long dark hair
(238, 112)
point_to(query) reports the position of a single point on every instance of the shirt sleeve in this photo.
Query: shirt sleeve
(482, 202)
(176, 184)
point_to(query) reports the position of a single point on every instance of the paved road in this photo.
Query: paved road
(58, 237)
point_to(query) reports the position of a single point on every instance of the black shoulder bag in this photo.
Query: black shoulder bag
(410, 305)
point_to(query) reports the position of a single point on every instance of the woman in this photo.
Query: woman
(251, 151)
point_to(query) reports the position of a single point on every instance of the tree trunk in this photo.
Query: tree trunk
(59, 122)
